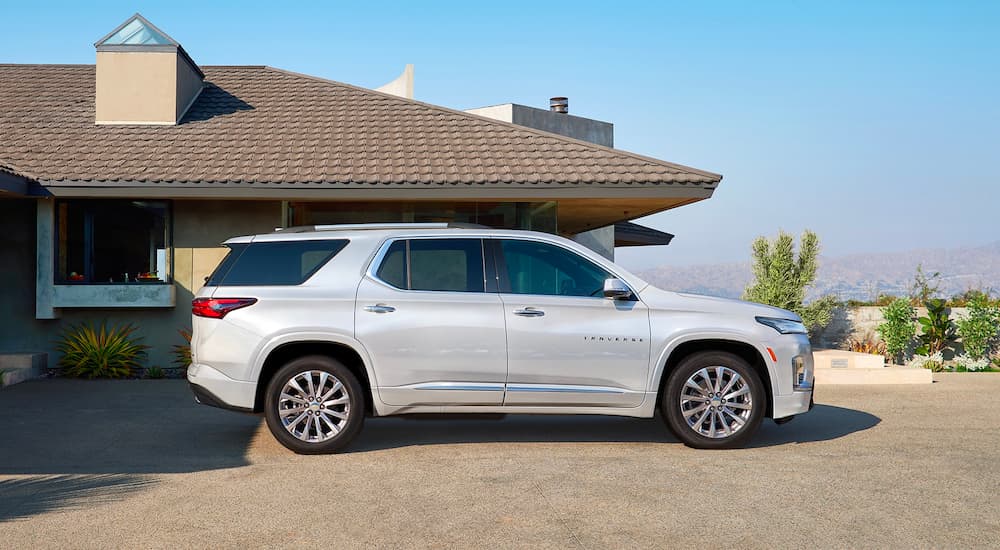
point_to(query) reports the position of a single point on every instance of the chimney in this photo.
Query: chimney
(559, 105)
(143, 76)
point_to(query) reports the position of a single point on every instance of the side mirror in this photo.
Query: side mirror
(616, 289)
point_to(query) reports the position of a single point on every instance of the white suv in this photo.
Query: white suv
(318, 327)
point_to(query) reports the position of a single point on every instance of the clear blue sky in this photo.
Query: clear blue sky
(876, 124)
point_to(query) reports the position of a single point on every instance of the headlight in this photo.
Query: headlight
(784, 326)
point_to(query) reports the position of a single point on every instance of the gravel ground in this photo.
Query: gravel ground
(137, 464)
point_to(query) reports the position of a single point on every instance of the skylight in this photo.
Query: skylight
(136, 32)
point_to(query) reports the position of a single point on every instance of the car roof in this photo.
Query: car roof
(318, 232)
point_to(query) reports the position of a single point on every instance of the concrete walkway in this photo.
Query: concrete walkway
(138, 464)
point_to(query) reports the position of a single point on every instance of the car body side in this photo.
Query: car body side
(229, 358)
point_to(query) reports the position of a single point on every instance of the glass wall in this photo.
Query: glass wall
(536, 216)
(112, 241)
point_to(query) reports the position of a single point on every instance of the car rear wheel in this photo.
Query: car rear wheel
(713, 400)
(314, 405)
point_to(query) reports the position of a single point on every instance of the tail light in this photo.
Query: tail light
(217, 308)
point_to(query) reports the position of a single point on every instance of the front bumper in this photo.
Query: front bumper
(792, 375)
(797, 402)
(211, 387)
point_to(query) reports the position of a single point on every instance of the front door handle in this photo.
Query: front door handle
(380, 308)
(529, 312)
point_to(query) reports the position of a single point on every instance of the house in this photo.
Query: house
(119, 180)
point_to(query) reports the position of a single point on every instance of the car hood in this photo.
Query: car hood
(656, 298)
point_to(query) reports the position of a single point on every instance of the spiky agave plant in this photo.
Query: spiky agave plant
(100, 353)
(182, 352)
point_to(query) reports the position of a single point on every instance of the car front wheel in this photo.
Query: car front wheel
(713, 400)
(314, 405)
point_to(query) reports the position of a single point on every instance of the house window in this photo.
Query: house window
(113, 241)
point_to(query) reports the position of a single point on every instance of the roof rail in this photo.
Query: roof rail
(363, 226)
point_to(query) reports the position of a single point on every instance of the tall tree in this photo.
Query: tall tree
(781, 277)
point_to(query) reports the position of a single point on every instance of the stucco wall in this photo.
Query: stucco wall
(199, 227)
(136, 87)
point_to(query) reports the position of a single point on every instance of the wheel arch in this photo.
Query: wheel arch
(741, 348)
(287, 349)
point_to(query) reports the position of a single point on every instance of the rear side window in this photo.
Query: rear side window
(444, 265)
(274, 263)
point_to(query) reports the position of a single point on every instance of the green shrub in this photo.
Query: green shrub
(898, 329)
(100, 353)
(934, 363)
(816, 315)
(937, 329)
(981, 329)
(155, 373)
(965, 363)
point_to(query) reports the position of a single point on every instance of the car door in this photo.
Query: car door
(434, 335)
(567, 345)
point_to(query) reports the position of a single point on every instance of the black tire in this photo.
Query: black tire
(354, 407)
(673, 415)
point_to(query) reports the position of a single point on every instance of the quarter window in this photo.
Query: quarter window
(444, 265)
(541, 268)
(274, 263)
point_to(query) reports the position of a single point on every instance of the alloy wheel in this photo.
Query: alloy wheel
(716, 402)
(314, 406)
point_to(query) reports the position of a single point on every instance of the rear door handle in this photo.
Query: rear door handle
(380, 308)
(529, 312)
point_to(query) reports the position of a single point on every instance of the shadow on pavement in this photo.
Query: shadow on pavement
(63, 426)
(824, 422)
(21, 498)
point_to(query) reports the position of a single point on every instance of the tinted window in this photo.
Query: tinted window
(540, 268)
(393, 268)
(274, 263)
(215, 279)
(446, 265)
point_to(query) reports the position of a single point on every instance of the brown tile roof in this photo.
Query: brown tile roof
(259, 125)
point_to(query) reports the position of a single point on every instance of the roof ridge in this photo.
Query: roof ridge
(594, 146)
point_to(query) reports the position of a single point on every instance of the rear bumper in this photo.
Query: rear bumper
(211, 387)
(205, 397)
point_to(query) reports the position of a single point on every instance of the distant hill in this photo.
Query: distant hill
(858, 276)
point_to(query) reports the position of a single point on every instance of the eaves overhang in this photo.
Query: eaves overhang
(334, 191)
(12, 184)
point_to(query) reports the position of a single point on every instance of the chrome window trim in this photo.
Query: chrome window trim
(383, 249)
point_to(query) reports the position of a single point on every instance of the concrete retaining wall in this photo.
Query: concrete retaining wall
(861, 322)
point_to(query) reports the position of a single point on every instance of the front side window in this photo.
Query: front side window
(274, 263)
(545, 269)
(113, 241)
(444, 265)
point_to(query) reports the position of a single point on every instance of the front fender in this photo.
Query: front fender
(693, 335)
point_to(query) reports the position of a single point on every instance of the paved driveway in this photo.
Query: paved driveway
(136, 464)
